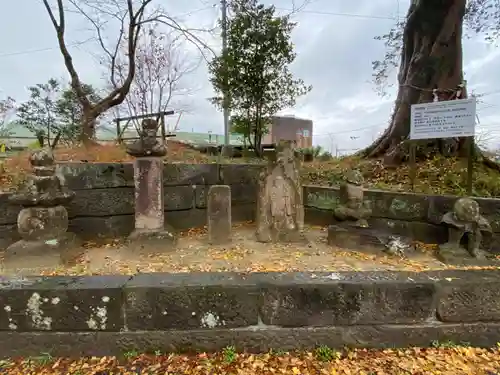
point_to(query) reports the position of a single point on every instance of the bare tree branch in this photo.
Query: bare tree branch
(98, 13)
(161, 66)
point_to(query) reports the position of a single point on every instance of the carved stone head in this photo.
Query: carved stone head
(466, 209)
(149, 128)
(354, 177)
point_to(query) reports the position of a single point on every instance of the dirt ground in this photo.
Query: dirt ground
(244, 254)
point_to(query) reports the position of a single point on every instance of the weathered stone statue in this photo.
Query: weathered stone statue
(280, 208)
(150, 227)
(147, 144)
(352, 206)
(43, 221)
(465, 219)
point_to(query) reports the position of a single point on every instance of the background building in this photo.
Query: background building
(290, 128)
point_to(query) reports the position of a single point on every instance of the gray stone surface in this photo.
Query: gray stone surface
(395, 205)
(62, 303)
(43, 253)
(8, 210)
(241, 174)
(219, 219)
(354, 238)
(341, 303)
(469, 299)
(252, 340)
(166, 301)
(81, 176)
(103, 202)
(190, 174)
(88, 228)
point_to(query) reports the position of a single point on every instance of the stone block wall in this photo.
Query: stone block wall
(104, 203)
(110, 315)
(407, 214)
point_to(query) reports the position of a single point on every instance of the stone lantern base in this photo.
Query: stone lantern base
(152, 240)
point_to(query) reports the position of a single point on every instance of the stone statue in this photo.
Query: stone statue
(43, 221)
(352, 206)
(147, 144)
(280, 208)
(465, 219)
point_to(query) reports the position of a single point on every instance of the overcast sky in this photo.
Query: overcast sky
(335, 47)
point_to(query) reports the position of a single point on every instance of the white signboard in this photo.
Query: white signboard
(448, 119)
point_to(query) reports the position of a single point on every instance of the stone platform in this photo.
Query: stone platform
(110, 315)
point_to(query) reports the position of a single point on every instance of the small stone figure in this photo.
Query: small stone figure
(352, 206)
(280, 208)
(43, 221)
(465, 219)
(147, 144)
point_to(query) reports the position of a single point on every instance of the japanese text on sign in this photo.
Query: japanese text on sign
(448, 119)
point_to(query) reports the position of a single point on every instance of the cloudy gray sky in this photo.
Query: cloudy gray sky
(335, 47)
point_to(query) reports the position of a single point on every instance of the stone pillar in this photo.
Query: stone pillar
(149, 195)
(280, 208)
(43, 220)
(219, 214)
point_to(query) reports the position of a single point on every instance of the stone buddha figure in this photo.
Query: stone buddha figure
(352, 205)
(464, 220)
(147, 144)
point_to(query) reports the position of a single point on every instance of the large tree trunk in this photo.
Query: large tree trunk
(87, 135)
(431, 58)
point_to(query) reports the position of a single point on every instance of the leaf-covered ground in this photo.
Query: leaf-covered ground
(447, 360)
(244, 254)
(436, 176)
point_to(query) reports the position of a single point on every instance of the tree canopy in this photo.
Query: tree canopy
(254, 72)
(481, 17)
(53, 110)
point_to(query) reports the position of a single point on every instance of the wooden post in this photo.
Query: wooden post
(163, 129)
(118, 131)
(413, 164)
(470, 164)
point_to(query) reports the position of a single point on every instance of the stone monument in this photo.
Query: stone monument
(219, 214)
(353, 208)
(465, 222)
(43, 220)
(351, 230)
(280, 208)
(150, 227)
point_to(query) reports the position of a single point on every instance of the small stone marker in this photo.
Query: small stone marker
(42, 223)
(219, 214)
(149, 194)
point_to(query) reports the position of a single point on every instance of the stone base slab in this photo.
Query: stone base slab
(452, 255)
(43, 253)
(152, 240)
(354, 238)
(254, 339)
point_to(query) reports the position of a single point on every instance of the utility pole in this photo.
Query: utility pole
(226, 101)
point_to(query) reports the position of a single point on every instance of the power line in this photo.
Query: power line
(352, 15)
(349, 131)
(76, 44)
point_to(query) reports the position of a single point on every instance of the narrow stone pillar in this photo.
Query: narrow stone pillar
(149, 195)
(219, 214)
